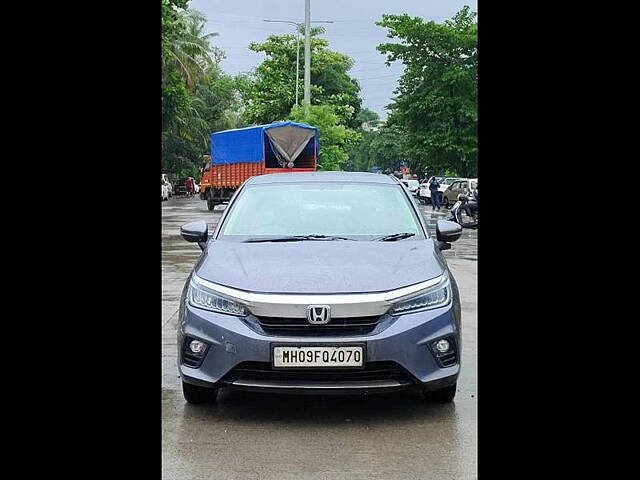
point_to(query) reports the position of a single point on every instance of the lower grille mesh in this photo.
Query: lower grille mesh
(372, 371)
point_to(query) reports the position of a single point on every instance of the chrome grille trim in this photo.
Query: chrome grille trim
(342, 305)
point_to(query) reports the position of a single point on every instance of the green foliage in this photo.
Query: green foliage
(334, 136)
(378, 148)
(368, 119)
(174, 92)
(436, 107)
(172, 25)
(270, 92)
(190, 52)
(175, 98)
(197, 97)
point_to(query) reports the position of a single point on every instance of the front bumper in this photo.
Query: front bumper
(403, 341)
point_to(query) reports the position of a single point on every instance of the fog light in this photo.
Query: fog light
(442, 346)
(196, 346)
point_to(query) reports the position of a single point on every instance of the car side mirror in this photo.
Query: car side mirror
(196, 232)
(447, 231)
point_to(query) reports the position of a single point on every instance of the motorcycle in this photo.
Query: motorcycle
(459, 214)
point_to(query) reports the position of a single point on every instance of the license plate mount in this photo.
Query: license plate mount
(318, 356)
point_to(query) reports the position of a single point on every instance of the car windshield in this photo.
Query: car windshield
(355, 211)
(413, 183)
(449, 181)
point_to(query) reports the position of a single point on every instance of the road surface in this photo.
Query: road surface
(285, 437)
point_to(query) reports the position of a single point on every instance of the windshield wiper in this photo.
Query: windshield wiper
(296, 238)
(395, 236)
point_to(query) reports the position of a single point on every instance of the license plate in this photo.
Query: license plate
(321, 356)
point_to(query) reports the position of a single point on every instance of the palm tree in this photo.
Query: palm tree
(191, 54)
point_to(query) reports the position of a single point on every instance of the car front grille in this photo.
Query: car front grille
(337, 326)
(373, 371)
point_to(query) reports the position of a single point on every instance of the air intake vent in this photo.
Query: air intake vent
(447, 359)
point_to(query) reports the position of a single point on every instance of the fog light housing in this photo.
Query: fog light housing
(442, 346)
(193, 352)
(445, 351)
(197, 347)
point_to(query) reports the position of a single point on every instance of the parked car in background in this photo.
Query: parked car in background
(446, 182)
(455, 188)
(165, 178)
(460, 187)
(445, 185)
(165, 191)
(424, 194)
(180, 188)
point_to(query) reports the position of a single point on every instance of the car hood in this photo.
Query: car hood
(319, 266)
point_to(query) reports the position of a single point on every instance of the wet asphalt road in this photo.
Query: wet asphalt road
(269, 436)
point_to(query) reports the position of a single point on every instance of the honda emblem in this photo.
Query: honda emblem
(318, 314)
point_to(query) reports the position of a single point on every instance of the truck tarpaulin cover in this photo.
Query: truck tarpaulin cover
(246, 145)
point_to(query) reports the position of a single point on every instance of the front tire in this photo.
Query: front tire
(445, 203)
(442, 395)
(197, 395)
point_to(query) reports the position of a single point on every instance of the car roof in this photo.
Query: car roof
(311, 177)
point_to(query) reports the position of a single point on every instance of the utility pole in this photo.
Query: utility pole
(298, 28)
(307, 53)
(297, 60)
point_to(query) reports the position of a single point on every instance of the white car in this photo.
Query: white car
(165, 191)
(196, 188)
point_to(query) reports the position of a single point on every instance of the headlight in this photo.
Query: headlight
(206, 299)
(433, 297)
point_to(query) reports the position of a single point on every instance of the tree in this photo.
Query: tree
(377, 148)
(197, 96)
(436, 106)
(368, 119)
(174, 93)
(334, 136)
(271, 94)
(190, 52)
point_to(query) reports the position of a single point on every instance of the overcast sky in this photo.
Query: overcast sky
(240, 22)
